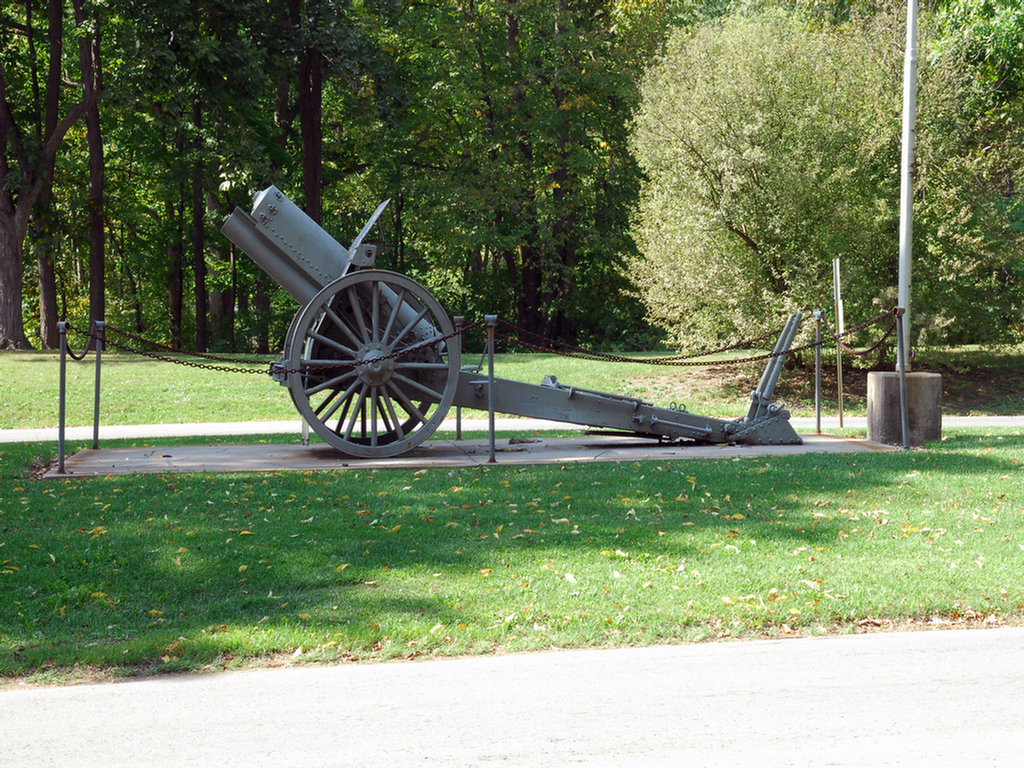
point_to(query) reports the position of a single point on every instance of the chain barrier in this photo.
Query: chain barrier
(568, 350)
(547, 346)
(169, 348)
(89, 337)
(687, 360)
(342, 364)
(850, 350)
(274, 367)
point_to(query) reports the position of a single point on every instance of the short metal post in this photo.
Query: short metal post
(62, 329)
(817, 372)
(99, 327)
(458, 320)
(901, 350)
(491, 321)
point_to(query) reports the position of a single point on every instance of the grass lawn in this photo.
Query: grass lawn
(124, 576)
(134, 575)
(137, 390)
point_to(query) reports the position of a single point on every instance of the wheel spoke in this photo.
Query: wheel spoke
(399, 302)
(357, 315)
(373, 416)
(315, 335)
(411, 324)
(397, 424)
(407, 404)
(338, 401)
(329, 384)
(375, 312)
(343, 326)
(355, 413)
(421, 387)
(423, 366)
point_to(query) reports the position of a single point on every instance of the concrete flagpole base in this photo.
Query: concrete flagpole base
(924, 408)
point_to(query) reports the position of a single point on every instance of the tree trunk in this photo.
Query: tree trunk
(44, 239)
(89, 55)
(311, 126)
(45, 224)
(12, 328)
(34, 174)
(175, 274)
(261, 309)
(198, 240)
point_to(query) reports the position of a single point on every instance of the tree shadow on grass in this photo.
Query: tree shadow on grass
(184, 570)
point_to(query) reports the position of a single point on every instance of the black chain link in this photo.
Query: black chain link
(169, 348)
(343, 364)
(88, 340)
(568, 350)
(687, 360)
(893, 313)
(272, 368)
(549, 347)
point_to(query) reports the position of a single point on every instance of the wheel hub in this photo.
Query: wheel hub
(374, 368)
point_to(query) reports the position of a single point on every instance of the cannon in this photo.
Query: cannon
(373, 362)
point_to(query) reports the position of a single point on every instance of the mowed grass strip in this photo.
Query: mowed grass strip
(131, 575)
(138, 390)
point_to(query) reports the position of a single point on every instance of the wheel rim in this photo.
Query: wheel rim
(370, 366)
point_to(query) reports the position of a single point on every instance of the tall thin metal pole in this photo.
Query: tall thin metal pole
(100, 326)
(907, 177)
(817, 372)
(491, 321)
(62, 329)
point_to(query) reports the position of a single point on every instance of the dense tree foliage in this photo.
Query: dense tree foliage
(771, 144)
(129, 129)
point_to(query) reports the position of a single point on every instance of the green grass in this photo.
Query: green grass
(137, 390)
(141, 574)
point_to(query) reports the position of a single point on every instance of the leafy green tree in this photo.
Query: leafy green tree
(969, 266)
(35, 116)
(503, 144)
(768, 142)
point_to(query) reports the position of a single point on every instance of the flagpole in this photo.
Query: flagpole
(906, 177)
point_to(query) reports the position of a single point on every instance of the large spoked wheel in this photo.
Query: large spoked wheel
(369, 366)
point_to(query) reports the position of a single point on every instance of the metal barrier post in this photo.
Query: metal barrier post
(459, 320)
(491, 321)
(817, 372)
(99, 327)
(901, 352)
(62, 329)
(838, 294)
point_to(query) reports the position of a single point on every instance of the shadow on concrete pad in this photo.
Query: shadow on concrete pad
(434, 453)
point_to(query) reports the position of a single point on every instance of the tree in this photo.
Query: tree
(767, 142)
(34, 119)
(503, 143)
(92, 85)
(970, 169)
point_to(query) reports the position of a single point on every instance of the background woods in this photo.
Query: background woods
(582, 166)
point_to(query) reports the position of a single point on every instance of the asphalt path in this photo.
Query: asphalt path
(939, 698)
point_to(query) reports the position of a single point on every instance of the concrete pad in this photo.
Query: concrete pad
(434, 453)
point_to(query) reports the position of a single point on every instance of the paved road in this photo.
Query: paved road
(944, 698)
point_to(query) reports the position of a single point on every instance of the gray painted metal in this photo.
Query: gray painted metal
(372, 364)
